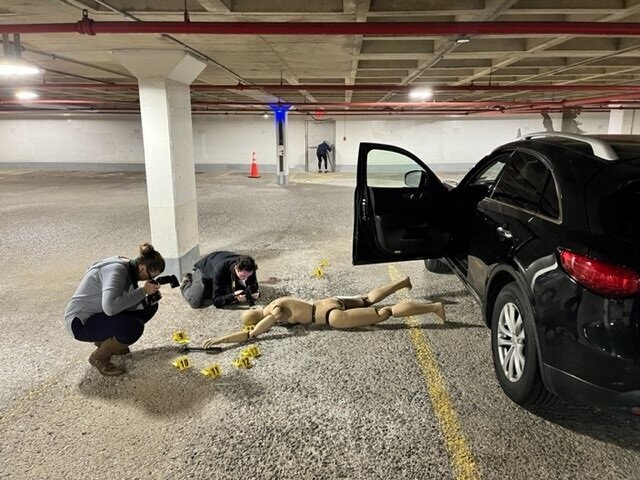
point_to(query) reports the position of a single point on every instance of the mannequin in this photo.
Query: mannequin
(337, 312)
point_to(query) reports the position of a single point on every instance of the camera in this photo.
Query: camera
(170, 279)
(250, 290)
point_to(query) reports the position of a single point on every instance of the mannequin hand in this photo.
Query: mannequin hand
(211, 342)
(150, 288)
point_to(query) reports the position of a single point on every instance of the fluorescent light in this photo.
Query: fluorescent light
(26, 95)
(16, 66)
(420, 94)
(265, 115)
(463, 40)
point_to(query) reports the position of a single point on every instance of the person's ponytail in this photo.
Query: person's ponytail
(150, 258)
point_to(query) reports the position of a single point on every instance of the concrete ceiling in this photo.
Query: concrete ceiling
(337, 71)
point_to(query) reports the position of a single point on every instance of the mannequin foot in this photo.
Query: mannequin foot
(405, 283)
(440, 311)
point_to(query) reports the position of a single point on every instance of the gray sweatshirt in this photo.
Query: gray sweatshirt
(106, 287)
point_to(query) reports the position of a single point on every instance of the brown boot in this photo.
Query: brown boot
(101, 357)
(121, 351)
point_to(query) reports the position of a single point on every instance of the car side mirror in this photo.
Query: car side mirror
(416, 179)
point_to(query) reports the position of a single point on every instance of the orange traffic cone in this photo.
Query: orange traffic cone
(253, 171)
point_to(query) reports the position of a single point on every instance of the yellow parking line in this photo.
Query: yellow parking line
(462, 461)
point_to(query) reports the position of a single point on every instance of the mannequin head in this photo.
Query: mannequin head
(252, 317)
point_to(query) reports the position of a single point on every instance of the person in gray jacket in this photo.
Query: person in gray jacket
(110, 309)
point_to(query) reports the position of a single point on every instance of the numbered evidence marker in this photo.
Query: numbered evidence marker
(242, 362)
(213, 371)
(182, 363)
(251, 352)
(248, 328)
(319, 270)
(180, 336)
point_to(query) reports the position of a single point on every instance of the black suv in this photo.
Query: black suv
(545, 234)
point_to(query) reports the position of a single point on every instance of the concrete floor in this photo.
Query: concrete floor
(318, 404)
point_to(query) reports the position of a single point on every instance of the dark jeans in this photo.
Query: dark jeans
(320, 158)
(126, 326)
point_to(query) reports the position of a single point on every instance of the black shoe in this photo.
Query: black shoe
(187, 278)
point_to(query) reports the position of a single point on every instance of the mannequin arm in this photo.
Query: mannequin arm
(262, 326)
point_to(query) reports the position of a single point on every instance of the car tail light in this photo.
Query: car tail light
(599, 276)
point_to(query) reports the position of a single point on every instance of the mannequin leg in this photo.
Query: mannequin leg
(380, 293)
(357, 317)
(410, 308)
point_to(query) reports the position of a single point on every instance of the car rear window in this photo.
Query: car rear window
(620, 212)
(549, 205)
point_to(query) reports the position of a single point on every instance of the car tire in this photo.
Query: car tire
(436, 265)
(514, 348)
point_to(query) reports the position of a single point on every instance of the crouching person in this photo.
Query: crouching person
(110, 309)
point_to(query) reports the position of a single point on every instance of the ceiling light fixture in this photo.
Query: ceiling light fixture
(463, 39)
(420, 94)
(12, 64)
(26, 95)
(15, 66)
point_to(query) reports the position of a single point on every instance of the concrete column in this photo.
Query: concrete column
(625, 122)
(282, 159)
(165, 106)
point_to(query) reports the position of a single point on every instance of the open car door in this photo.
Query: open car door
(400, 207)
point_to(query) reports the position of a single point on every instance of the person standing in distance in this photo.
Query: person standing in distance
(322, 152)
(110, 309)
(221, 279)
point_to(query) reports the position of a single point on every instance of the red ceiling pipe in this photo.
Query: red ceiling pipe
(577, 102)
(362, 104)
(341, 88)
(90, 27)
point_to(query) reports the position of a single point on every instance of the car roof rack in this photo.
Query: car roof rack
(601, 149)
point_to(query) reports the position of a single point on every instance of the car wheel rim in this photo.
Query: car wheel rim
(511, 342)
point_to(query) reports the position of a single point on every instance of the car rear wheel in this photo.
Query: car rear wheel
(515, 354)
(436, 265)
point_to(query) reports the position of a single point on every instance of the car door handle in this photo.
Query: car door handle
(504, 233)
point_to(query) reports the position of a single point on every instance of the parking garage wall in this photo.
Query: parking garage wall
(227, 142)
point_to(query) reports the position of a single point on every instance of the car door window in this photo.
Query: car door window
(488, 175)
(522, 182)
(387, 169)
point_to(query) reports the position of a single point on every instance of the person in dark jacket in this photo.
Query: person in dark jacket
(220, 279)
(322, 152)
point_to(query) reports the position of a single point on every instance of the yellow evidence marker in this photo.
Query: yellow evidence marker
(243, 362)
(213, 371)
(251, 352)
(319, 270)
(248, 328)
(182, 363)
(180, 336)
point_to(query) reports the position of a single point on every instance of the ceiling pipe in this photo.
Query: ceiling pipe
(362, 87)
(578, 102)
(386, 108)
(88, 26)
